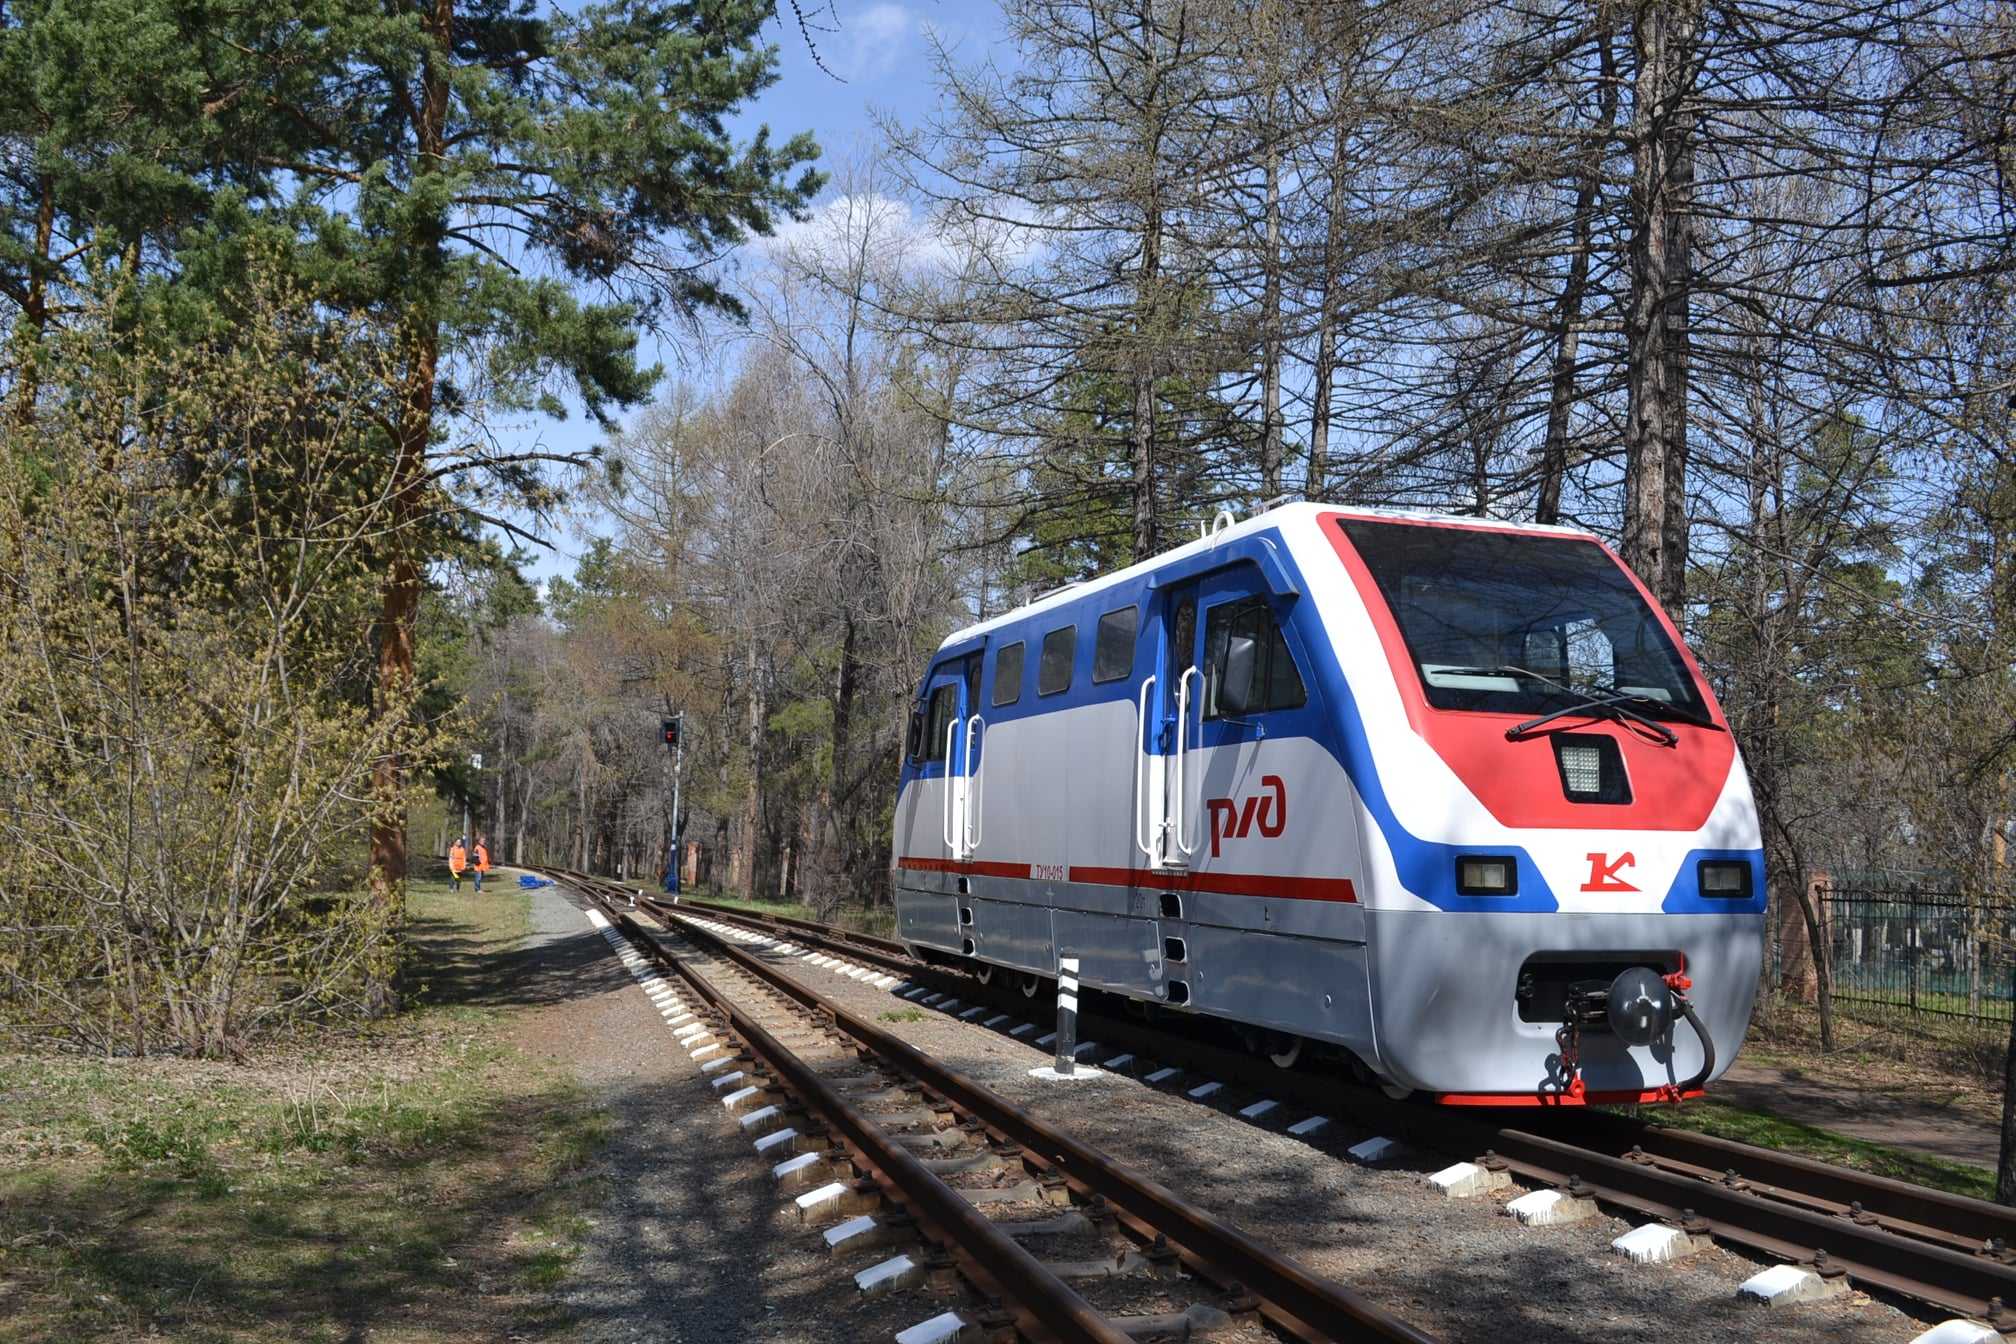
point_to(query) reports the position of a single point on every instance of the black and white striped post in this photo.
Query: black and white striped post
(1067, 1016)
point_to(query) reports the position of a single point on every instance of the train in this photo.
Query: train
(1441, 800)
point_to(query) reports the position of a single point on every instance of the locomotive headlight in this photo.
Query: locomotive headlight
(1581, 769)
(1487, 875)
(1724, 878)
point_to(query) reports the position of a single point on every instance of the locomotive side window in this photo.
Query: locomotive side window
(1053, 670)
(1008, 673)
(1113, 650)
(913, 742)
(1247, 666)
(944, 712)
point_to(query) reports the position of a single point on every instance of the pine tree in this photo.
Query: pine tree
(471, 173)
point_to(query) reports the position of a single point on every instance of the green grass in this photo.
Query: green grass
(902, 1015)
(1767, 1130)
(416, 1180)
(877, 920)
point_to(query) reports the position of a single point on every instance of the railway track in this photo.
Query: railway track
(1943, 1250)
(876, 1123)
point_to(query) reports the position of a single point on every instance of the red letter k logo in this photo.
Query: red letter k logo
(1604, 872)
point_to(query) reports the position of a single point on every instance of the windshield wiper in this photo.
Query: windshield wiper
(1613, 705)
(1596, 694)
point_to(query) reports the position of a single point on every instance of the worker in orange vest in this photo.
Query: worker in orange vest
(482, 863)
(458, 859)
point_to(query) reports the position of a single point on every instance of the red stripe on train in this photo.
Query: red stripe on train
(1648, 1096)
(976, 867)
(1229, 884)
(1226, 884)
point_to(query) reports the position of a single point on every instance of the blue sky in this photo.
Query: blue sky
(878, 54)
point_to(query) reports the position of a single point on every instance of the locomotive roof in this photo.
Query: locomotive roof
(1276, 517)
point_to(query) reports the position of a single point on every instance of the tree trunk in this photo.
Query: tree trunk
(1662, 36)
(1568, 313)
(1147, 539)
(399, 605)
(1270, 302)
(839, 803)
(1677, 354)
(35, 307)
(1313, 483)
(2005, 1166)
(752, 800)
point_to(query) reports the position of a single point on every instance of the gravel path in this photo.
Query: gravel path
(1458, 1268)
(693, 1245)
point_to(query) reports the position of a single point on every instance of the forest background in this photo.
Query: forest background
(1728, 283)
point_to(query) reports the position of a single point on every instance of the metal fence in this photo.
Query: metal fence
(1934, 961)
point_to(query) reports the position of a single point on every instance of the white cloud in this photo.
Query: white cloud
(876, 38)
(898, 235)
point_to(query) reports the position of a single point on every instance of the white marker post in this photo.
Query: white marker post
(1067, 1016)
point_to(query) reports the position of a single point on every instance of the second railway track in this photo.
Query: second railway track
(1929, 1246)
(950, 1148)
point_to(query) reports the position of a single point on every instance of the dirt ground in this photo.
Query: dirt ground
(1940, 1118)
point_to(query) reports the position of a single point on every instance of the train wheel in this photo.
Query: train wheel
(1395, 1090)
(1030, 984)
(983, 971)
(1284, 1050)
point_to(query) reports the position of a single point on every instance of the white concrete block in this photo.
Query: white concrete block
(883, 982)
(693, 1030)
(1046, 1039)
(774, 1139)
(930, 999)
(995, 1020)
(1119, 1061)
(1782, 1285)
(1958, 1332)
(1162, 1075)
(708, 1066)
(1257, 1109)
(791, 1166)
(1550, 1208)
(1468, 1178)
(1375, 1150)
(766, 1115)
(889, 1274)
(1084, 1047)
(937, 1330)
(721, 1080)
(739, 1095)
(840, 1234)
(1654, 1244)
(706, 1050)
(1204, 1091)
(1023, 1030)
(972, 1013)
(812, 1201)
(1302, 1129)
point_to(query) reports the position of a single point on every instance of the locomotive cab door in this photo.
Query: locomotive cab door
(1165, 824)
(952, 732)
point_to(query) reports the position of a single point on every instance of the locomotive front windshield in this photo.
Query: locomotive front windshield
(1523, 624)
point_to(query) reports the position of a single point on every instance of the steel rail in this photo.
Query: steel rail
(996, 1263)
(1925, 1244)
(1296, 1299)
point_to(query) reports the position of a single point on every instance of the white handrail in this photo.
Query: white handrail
(1182, 734)
(951, 845)
(972, 788)
(1142, 757)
